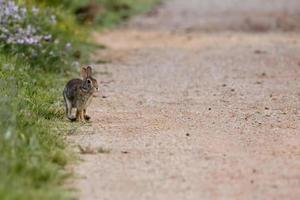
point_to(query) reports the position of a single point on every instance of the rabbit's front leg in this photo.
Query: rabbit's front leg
(80, 115)
(86, 117)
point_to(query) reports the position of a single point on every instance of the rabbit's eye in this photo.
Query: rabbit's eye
(89, 81)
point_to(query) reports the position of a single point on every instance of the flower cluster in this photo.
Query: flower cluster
(27, 32)
(14, 29)
(9, 11)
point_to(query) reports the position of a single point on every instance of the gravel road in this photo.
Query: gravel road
(199, 100)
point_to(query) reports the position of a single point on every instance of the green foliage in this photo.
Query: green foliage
(42, 37)
(115, 11)
(32, 152)
(32, 155)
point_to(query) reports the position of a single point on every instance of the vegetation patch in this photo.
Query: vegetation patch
(104, 13)
(36, 55)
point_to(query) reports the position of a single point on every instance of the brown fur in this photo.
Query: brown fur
(78, 94)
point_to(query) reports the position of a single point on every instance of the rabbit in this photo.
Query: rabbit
(78, 94)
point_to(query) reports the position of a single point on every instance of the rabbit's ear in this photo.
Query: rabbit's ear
(83, 72)
(89, 71)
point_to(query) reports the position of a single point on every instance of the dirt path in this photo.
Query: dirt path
(191, 114)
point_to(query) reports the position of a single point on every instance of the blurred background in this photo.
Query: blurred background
(233, 15)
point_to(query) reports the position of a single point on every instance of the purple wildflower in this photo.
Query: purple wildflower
(68, 46)
(15, 30)
(48, 37)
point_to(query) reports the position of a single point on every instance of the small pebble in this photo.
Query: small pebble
(259, 51)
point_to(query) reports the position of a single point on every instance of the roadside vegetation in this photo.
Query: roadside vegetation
(42, 43)
(103, 13)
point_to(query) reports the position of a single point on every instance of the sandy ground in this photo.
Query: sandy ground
(196, 107)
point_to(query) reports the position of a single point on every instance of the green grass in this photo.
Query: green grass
(32, 150)
(33, 154)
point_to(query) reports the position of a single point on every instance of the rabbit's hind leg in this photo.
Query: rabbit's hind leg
(68, 105)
